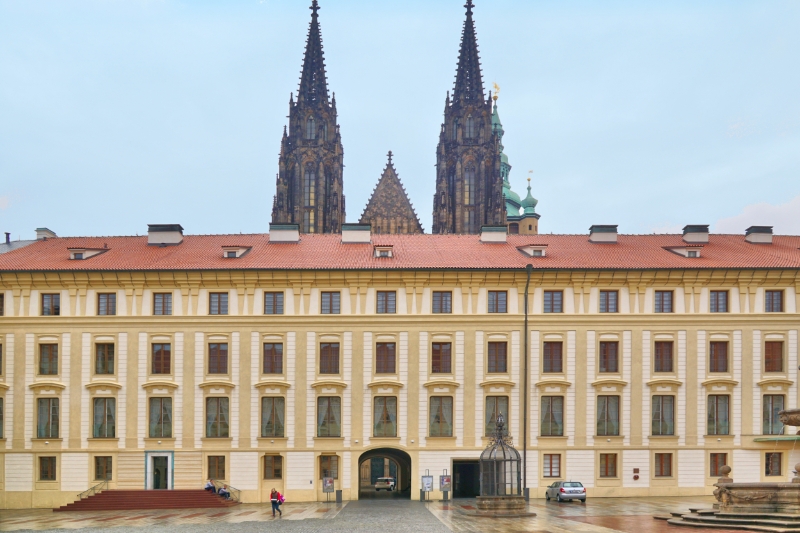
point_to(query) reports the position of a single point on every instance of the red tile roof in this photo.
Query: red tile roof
(204, 252)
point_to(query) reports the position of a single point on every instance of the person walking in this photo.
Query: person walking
(277, 499)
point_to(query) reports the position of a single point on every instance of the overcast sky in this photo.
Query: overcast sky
(650, 115)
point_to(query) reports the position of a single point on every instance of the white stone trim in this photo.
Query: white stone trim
(701, 393)
(235, 378)
(591, 396)
(626, 391)
(479, 400)
(367, 414)
(680, 413)
(458, 416)
(736, 408)
(402, 407)
(311, 411)
(9, 413)
(423, 392)
(199, 407)
(347, 375)
(255, 372)
(646, 400)
(122, 395)
(569, 423)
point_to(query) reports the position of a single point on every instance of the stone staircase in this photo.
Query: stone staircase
(713, 519)
(123, 500)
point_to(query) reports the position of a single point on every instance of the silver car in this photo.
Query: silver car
(566, 490)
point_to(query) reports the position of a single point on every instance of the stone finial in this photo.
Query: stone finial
(725, 475)
(796, 478)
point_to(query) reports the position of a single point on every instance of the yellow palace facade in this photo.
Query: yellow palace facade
(276, 360)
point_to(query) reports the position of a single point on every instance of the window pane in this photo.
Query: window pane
(552, 361)
(608, 465)
(385, 358)
(718, 352)
(102, 468)
(772, 405)
(218, 358)
(552, 416)
(718, 420)
(607, 415)
(387, 302)
(773, 356)
(717, 461)
(498, 302)
(385, 416)
(441, 416)
(161, 417)
(273, 412)
(663, 420)
(162, 304)
(329, 358)
(161, 358)
(273, 358)
(663, 302)
(772, 464)
(608, 301)
(719, 302)
(495, 406)
(273, 303)
(663, 359)
(104, 425)
(773, 302)
(273, 467)
(47, 418)
(441, 302)
(609, 357)
(663, 462)
(48, 359)
(552, 465)
(497, 357)
(329, 416)
(217, 417)
(440, 358)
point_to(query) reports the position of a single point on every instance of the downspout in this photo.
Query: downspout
(525, 377)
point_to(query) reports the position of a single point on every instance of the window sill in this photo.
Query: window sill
(103, 439)
(264, 439)
(43, 439)
(663, 436)
(168, 440)
(329, 439)
(442, 439)
(385, 439)
(215, 439)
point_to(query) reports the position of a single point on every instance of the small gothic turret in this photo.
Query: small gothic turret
(389, 210)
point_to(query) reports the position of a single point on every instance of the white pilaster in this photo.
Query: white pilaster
(30, 344)
(367, 409)
(66, 360)
(87, 418)
(533, 411)
(479, 400)
(570, 399)
(122, 395)
(626, 391)
(458, 417)
(516, 427)
(141, 419)
(9, 415)
(311, 408)
(199, 407)
(736, 411)
(237, 387)
(255, 359)
(291, 417)
(423, 392)
(646, 414)
(756, 378)
(680, 413)
(347, 374)
(177, 415)
(591, 397)
(701, 396)
(402, 424)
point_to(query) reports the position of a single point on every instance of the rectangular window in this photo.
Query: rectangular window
(218, 303)
(441, 358)
(442, 302)
(663, 359)
(773, 356)
(772, 405)
(51, 304)
(498, 359)
(107, 304)
(385, 358)
(47, 421)
(495, 406)
(102, 468)
(161, 358)
(718, 356)
(48, 359)
(773, 301)
(608, 465)
(218, 358)
(2, 304)
(1, 419)
(273, 358)
(551, 466)
(104, 359)
(329, 358)
(104, 424)
(717, 461)
(160, 418)
(663, 464)
(552, 416)
(329, 416)
(552, 360)
(273, 467)
(663, 421)
(663, 303)
(330, 303)
(273, 413)
(385, 417)
(217, 418)
(553, 301)
(47, 468)
(607, 416)
(386, 302)
(273, 303)
(772, 464)
(1, 361)
(441, 416)
(609, 356)
(329, 466)
(498, 302)
(718, 419)
(608, 301)
(162, 304)
(718, 302)
(216, 467)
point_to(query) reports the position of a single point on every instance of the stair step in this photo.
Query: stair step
(118, 500)
(755, 527)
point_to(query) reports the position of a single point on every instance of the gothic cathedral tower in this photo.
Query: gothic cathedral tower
(310, 188)
(469, 184)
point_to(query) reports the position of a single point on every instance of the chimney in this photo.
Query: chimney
(695, 234)
(284, 233)
(164, 234)
(356, 233)
(603, 233)
(44, 233)
(494, 233)
(753, 235)
(8, 238)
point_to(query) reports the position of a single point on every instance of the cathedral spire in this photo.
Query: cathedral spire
(313, 82)
(469, 81)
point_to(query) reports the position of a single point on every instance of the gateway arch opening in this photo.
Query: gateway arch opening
(384, 473)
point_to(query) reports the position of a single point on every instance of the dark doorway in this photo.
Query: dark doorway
(466, 479)
(160, 472)
(382, 463)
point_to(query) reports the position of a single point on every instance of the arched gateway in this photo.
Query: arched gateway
(384, 462)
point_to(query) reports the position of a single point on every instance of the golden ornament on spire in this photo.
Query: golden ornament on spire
(496, 90)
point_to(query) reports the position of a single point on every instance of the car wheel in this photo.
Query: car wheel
(583, 500)
(558, 498)
(547, 496)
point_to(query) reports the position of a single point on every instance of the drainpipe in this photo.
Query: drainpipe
(526, 374)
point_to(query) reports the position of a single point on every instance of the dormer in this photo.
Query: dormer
(534, 250)
(164, 234)
(232, 252)
(85, 253)
(695, 234)
(690, 250)
(383, 251)
(280, 233)
(356, 233)
(603, 233)
(758, 235)
(494, 234)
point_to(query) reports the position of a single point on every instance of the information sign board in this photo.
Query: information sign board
(327, 484)
(427, 483)
(445, 483)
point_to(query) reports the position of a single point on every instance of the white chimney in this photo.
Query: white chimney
(44, 233)
(494, 233)
(356, 233)
(284, 233)
(758, 235)
(600, 233)
(164, 234)
(695, 234)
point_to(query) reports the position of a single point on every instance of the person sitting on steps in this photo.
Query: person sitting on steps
(224, 492)
(210, 486)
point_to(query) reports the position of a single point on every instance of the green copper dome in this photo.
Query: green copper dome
(529, 203)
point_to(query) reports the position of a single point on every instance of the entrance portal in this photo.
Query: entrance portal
(384, 463)
(466, 479)
(158, 470)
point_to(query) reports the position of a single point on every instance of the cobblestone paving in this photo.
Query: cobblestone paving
(610, 515)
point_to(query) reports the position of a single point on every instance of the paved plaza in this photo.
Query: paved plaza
(374, 516)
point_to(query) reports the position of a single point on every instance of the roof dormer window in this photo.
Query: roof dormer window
(79, 254)
(232, 252)
(534, 250)
(383, 251)
(692, 251)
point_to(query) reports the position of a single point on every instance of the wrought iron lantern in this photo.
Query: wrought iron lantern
(501, 466)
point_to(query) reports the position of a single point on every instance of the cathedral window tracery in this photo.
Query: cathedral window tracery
(309, 188)
(455, 130)
(470, 127)
(469, 185)
(311, 128)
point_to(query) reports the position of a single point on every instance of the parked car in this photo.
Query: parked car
(566, 490)
(385, 483)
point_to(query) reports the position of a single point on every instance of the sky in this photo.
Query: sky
(650, 115)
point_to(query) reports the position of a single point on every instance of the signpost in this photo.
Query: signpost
(445, 485)
(327, 487)
(427, 487)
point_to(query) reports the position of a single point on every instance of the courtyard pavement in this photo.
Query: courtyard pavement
(606, 515)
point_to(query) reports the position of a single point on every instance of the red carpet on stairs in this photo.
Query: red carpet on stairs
(122, 500)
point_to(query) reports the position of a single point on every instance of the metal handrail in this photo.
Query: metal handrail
(236, 494)
(94, 490)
